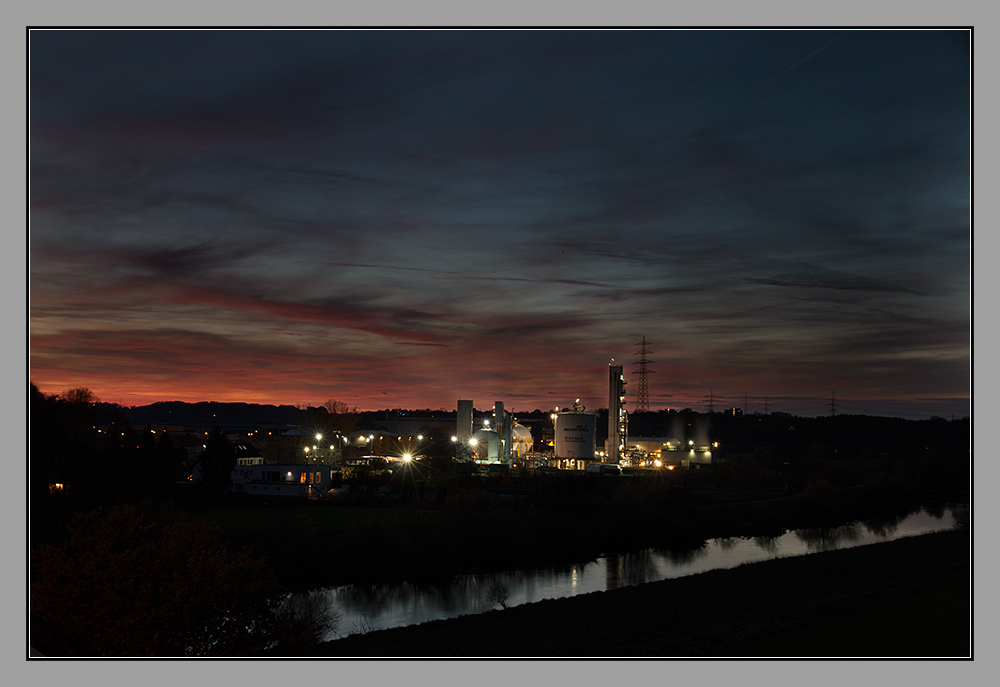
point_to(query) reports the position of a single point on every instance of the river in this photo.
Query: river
(364, 608)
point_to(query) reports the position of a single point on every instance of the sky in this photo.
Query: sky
(407, 218)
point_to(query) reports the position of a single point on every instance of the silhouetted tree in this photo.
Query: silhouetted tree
(80, 396)
(497, 593)
(217, 460)
(339, 417)
(169, 459)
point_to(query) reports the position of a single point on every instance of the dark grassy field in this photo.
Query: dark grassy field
(907, 598)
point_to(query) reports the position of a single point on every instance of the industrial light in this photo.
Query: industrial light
(406, 457)
(318, 437)
(454, 439)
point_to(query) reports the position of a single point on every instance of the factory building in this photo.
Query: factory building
(501, 438)
(669, 452)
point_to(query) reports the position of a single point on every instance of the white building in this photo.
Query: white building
(270, 479)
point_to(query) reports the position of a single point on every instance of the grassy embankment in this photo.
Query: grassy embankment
(565, 520)
(906, 598)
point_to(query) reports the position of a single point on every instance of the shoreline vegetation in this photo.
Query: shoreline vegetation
(905, 598)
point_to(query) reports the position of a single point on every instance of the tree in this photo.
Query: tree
(217, 460)
(497, 593)
(340, 417)
(80, 396)
(128, 583)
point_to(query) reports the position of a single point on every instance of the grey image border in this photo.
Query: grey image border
(500, 672)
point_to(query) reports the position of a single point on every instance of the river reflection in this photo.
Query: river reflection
(365, 607)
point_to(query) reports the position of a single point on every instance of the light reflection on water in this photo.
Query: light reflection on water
(394, 605)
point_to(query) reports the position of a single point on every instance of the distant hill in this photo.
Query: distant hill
(208, 413)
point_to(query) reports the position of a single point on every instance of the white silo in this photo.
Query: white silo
(575, 435)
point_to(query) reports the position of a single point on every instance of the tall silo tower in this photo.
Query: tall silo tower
(463, 423)
(617, 417)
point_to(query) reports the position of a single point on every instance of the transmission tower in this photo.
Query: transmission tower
(833, 404)
(642, 395)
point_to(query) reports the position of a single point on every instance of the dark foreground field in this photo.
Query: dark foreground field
(906, 598)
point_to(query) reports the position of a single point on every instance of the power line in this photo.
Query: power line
(642, 396)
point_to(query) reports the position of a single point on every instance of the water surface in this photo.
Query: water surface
(368, 607)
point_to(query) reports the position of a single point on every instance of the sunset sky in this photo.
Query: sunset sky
(408, 218)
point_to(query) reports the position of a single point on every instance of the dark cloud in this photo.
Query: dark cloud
(774, 209)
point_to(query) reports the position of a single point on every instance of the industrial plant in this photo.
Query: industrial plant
(306, 462)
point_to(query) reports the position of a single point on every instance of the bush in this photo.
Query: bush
(126, 584)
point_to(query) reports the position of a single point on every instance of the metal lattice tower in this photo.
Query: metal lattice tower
(642, 395)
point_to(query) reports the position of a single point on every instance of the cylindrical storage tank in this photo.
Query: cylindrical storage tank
(487, 445)
(575, 436)
(523, 441)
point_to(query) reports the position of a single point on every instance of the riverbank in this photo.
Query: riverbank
(905, 598)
